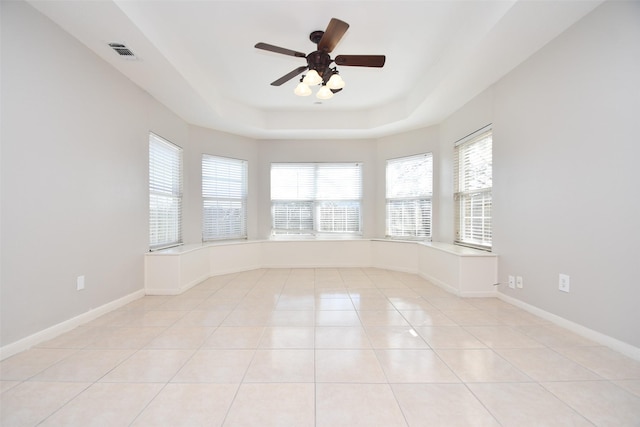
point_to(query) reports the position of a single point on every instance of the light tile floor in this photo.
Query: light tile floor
(319, 347)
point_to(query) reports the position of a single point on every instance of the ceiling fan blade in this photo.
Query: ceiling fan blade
(289, 76)
(332, 35)
(360, 60)
(277, 49)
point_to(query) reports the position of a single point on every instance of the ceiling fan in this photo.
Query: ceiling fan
(319, 61)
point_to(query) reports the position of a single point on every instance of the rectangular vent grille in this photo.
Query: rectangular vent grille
(122, 50)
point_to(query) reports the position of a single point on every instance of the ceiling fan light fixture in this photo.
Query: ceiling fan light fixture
(302, 89)
(312, 78)
(324, 93)
(335, 81)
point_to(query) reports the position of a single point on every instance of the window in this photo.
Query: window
(473, 182)
(224, 198)
(165, 193)
(316, 198)
(409, 190)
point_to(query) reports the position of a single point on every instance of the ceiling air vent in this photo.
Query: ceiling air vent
(122, 50)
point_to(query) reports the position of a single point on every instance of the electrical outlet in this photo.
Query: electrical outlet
(80, 283)
(519, 282)
(564, 282)
(512, 282)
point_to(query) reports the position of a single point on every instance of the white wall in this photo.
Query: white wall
(565, 176)
(74, 175)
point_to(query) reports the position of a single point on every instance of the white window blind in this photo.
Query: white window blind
(165, 193)
(473, 183)
(316, 198)
(224, 195)
(409, 182)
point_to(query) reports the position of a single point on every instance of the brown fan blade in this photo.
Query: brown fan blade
(360, 60)
(332, 35)
(289, 76)
(277, 49)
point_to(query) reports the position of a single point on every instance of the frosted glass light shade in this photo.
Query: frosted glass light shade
(302, 89)
(324, 93)
(335, 82)
(312, 78)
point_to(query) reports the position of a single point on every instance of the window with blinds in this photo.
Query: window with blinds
(224, 198)
(316, 198)
(473, 182)
(409, 189)
(165, 193)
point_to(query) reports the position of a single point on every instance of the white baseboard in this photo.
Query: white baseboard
(55, 330)
(595, 336)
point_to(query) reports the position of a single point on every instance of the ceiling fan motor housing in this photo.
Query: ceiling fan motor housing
(319, 61)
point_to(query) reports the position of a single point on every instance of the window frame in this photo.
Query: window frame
(472, 198)
(237, 168)
(165, 188)
(419, 202)
(312, 208)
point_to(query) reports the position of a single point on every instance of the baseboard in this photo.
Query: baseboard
(440, 284)
(595, 336)
(59, 329)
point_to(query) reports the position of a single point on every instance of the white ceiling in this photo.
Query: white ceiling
(198, 57)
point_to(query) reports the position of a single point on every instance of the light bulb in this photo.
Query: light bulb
(312, 78)
(335, 82)
(324, 93)
(302, 89)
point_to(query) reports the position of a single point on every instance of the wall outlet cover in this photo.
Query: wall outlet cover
(512, 282)
(564, 282)
(519, 282)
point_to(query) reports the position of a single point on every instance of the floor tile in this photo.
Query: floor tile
(291, 366)
(126, 337)
(31, 402)
(215, 366)
(545, 364)
(31, 362)
(473, 317)
(481, 365)
(525, 404)
(442, 405)
(337, 318)
(287, 337)
(427, 317)
(319, 347)
(632, 386)
(448, 337)
(596, 399)
(348, 366)
(277, 405)
(415, 366)
(502, 337)
(84, 366)
(372, 303)
(149, 366)
(181, 337)
(395, 337)
(381, 318)
(105, 404)
(603, 361)
(203, 318)
(292, 318)
(188, 405)
(234, 337)
(341, 337)
(349, 405)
